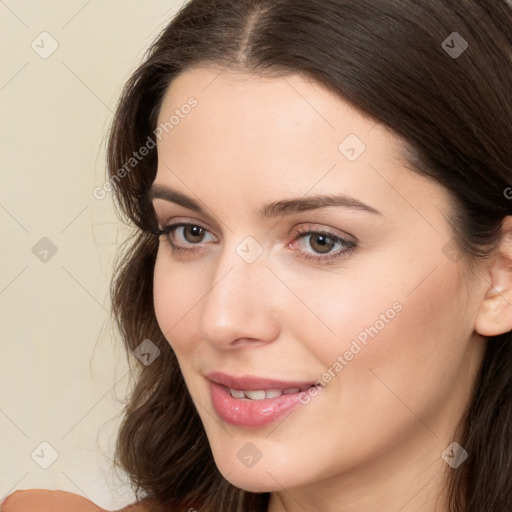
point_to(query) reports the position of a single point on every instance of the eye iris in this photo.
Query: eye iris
(325, 247)
(196, 232)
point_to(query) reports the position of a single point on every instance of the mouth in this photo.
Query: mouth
(252, 401)
(262, 394)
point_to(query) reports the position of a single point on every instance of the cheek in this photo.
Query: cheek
(412, 341)
(403, 324)
(161, 295)
(173, 298)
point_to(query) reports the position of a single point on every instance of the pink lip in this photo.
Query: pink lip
(252, 413)
(253, 383)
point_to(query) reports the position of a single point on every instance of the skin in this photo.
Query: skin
(44, 500)
(37, 500)
(372, 438)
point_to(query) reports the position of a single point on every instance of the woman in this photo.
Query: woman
(320, 285)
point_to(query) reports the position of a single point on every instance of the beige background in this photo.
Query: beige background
(62, 370)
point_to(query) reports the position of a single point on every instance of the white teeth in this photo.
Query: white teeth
(290, 391)
(260, 394)
(255, 395)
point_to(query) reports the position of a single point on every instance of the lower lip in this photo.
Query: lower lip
(251, 413)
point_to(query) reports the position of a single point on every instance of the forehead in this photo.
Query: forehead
(247, 119)
(281, 136)
(284, 102)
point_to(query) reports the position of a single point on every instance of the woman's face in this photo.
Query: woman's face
(313, 255)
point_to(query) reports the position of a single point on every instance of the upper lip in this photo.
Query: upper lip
(248, 382)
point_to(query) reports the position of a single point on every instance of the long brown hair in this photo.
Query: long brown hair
(448, 95)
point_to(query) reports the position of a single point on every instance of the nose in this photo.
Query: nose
(240, 308)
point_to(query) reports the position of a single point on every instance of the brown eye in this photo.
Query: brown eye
(321, 243)
(318, 246)
(193, 234)
(183, 236)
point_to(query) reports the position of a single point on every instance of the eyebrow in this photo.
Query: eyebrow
(269, 210)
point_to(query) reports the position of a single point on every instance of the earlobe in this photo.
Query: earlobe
(495, 313)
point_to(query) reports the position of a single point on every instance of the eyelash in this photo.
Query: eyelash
(349, 245)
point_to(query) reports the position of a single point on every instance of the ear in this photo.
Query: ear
(495, 313)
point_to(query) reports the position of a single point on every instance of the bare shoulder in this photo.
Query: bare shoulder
(43, 500)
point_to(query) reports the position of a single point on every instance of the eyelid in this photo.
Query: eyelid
(185, 220)
(162, 211)
(321, 228)
(301, 229)
(349, 242)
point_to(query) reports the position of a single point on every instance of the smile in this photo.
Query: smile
(254, 402)
(261, 394)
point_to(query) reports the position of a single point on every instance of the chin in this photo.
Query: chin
(264, 476)
(253, 482)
